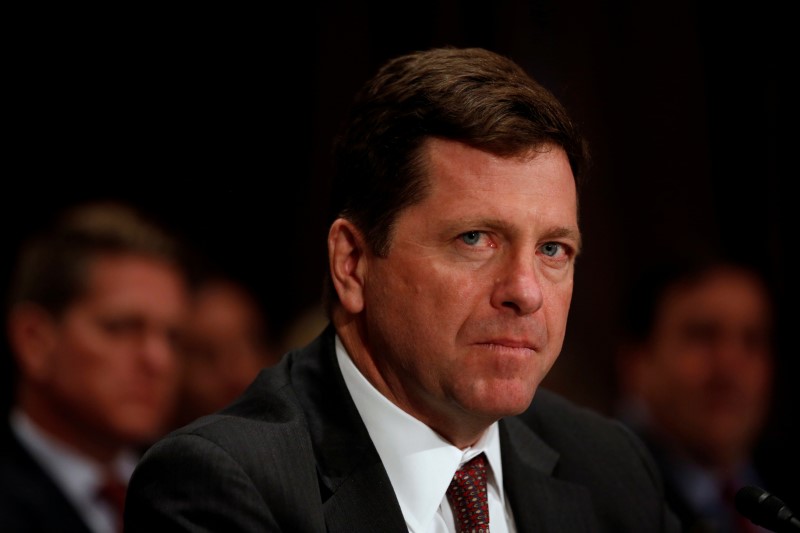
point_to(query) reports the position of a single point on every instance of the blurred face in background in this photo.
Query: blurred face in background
(223, 347)
(706, 372)
(103, 374)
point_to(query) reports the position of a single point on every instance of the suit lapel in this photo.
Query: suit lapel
(36, 492)
(365, 501)
(355, 488)
(539, 501)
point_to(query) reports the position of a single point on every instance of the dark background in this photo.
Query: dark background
(218, 123)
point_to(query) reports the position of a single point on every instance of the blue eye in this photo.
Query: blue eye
(551, 249)
(471, 237)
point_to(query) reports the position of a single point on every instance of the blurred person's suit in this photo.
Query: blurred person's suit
(33, 500)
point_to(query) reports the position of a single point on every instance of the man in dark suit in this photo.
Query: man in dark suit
(96, 301)
(451, 255)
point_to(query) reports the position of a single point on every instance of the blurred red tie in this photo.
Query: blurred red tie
(112, 491)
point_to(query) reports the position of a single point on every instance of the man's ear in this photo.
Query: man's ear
(32, 335)
(348, 264)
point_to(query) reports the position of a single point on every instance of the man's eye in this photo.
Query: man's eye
(551, 249)
(471, 237)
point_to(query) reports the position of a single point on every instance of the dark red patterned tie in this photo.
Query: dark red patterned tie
(467, 497)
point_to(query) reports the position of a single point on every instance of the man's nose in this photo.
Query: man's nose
(158, 351)
(517, 286)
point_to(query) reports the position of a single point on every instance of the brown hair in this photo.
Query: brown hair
(52, 267)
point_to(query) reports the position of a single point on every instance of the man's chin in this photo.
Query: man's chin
(506, 400)
(143, 428)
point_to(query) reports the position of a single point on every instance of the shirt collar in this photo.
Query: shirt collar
(419, 462)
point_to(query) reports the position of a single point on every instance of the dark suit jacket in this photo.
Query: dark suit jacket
(30, 501)
(292, 454)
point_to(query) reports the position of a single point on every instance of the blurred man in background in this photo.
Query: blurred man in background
(696, 376)
(95, 309)
(225, 342)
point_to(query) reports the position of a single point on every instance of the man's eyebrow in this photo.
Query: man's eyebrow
(565, 232)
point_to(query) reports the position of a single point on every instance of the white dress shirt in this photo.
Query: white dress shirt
(421, 463)
(77, 476)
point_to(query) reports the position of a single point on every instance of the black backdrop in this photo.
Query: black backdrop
(219, 122)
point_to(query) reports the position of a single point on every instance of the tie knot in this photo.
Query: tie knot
(467, 496)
